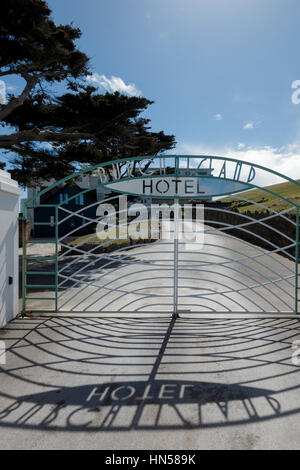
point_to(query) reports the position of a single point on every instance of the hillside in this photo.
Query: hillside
(287, 190)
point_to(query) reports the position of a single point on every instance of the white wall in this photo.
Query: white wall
(9, 266)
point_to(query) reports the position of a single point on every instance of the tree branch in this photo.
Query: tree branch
(36, 135)
(31, 81)
(7, 72)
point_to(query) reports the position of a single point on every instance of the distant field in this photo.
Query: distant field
(118, 237)
(287, 190)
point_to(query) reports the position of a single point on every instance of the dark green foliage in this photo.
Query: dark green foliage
(55, 136)
(88, 127)
(31, 43)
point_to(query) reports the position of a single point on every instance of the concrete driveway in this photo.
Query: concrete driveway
(141, 383)
(136, 379)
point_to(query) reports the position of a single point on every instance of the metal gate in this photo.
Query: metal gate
(209, 255)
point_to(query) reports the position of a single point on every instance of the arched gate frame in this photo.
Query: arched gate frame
(249, 261)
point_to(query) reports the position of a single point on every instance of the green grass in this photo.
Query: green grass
(111, 237)
(287, 190)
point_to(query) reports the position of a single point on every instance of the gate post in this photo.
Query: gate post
(24, 261)
(175, 274)
(56, 259)
(9, 244)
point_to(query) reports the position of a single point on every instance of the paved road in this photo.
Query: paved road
(138, 383)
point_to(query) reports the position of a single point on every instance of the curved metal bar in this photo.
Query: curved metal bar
(213, 292)
(161, 295)
(219, 233)
(120, 260)
(151, 296)
(240, 227)
(225, 258)
(104, 255)
(263, 284)
(207, 244)
(150, 305)
(253, 221)
(241, 240)
(215, 301)
(217, 222)
(154, 305)
(221, 223)
(207, 221)
(274, 282)
(176, 157)
(119, 289)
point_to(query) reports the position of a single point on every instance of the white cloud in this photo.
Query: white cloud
(3, 99)
(284, 159)
(219, 117)
(113, 84)
(249, 125)
(4, 88)
(10, 87)
(241, 145)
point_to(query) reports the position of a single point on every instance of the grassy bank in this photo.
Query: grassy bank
(119, 236)
(287, 190)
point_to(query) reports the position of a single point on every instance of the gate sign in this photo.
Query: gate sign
(184, 187)
(183, 177)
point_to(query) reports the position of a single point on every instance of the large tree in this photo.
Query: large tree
(33, 47)
(54, 135)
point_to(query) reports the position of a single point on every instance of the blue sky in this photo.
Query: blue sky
(220, 72)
